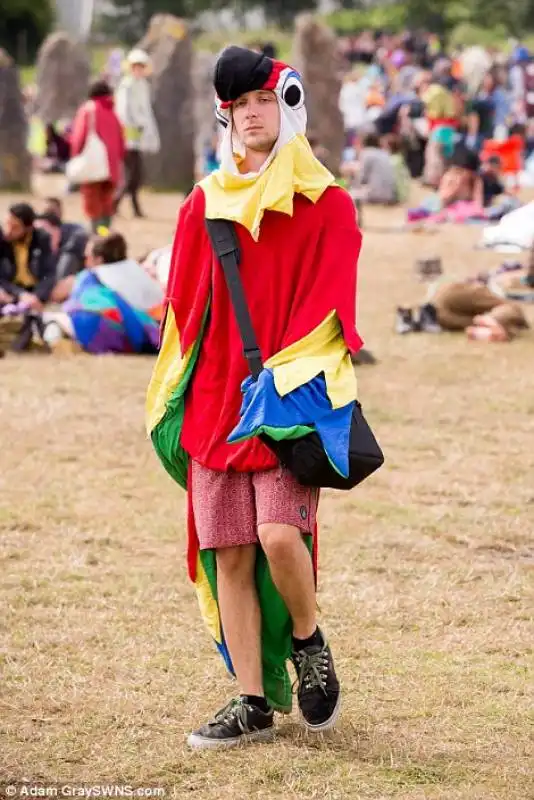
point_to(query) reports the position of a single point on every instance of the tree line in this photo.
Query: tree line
(23, 26)
(24, 23)
(514, 17)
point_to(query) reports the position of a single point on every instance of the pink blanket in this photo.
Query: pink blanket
(461, 212)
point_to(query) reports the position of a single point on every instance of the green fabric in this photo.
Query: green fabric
(166, 435)
(445, 136)
(279, 434)
(276, 622)
(402, 177)
(276, 628)
(282, 434)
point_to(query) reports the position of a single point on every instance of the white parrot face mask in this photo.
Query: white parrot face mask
(291, 167)
(286, 84)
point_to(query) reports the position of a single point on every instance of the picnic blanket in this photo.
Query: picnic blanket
(116, 308)
(462, 212)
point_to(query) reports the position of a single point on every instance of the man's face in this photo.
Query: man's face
(138, 70)
(491, 168)
(256, 118)
(52, 206)
(13, 229)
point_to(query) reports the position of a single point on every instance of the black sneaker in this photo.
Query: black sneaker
(428, 319)
(404, 321)
(319, 694)
(235, 724)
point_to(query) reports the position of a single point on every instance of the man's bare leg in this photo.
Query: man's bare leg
(240, 614)
(291, 568)
(250, 719)
(292, 572)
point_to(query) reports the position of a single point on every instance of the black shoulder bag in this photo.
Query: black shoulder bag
(305, 457)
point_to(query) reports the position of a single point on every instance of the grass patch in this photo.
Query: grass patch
(425, 583)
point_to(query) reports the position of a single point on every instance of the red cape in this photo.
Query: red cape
(301, 268)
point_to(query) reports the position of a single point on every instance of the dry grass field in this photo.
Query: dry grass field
(426, 572)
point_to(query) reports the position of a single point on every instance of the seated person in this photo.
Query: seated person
(481, 116)
(492, 186)
(443, 114)
(53, 205)
(399, 106)
(68, 242)
(114, 306)
(373, 174)
(27, 266)
(402, 174)
(461, 181)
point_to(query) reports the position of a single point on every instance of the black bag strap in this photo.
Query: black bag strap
(226, 246)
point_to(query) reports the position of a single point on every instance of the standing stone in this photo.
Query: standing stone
(168, 42)
(315, 55)
(63, 73)
(75, 16)
(15, 160)
(203, 69)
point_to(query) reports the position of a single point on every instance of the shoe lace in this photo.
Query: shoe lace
(312, 670)
(234, 710)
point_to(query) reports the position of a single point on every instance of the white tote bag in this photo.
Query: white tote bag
(92, 164)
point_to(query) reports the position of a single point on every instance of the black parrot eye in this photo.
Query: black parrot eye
(221, 119)
(292, 92)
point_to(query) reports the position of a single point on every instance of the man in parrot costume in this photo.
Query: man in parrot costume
(252, 533)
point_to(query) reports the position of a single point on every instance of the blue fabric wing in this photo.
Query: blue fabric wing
(307, 405)
(89, 307)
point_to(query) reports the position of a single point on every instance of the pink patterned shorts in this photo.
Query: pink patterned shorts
(229, 506)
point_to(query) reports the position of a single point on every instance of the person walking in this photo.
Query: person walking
(98, 114)
(252, 533)
(134, 107)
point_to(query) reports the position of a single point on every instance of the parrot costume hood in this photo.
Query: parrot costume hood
(302, 273)
(291, 167)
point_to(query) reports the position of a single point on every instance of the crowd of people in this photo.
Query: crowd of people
(460, 123)
(65, 288)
